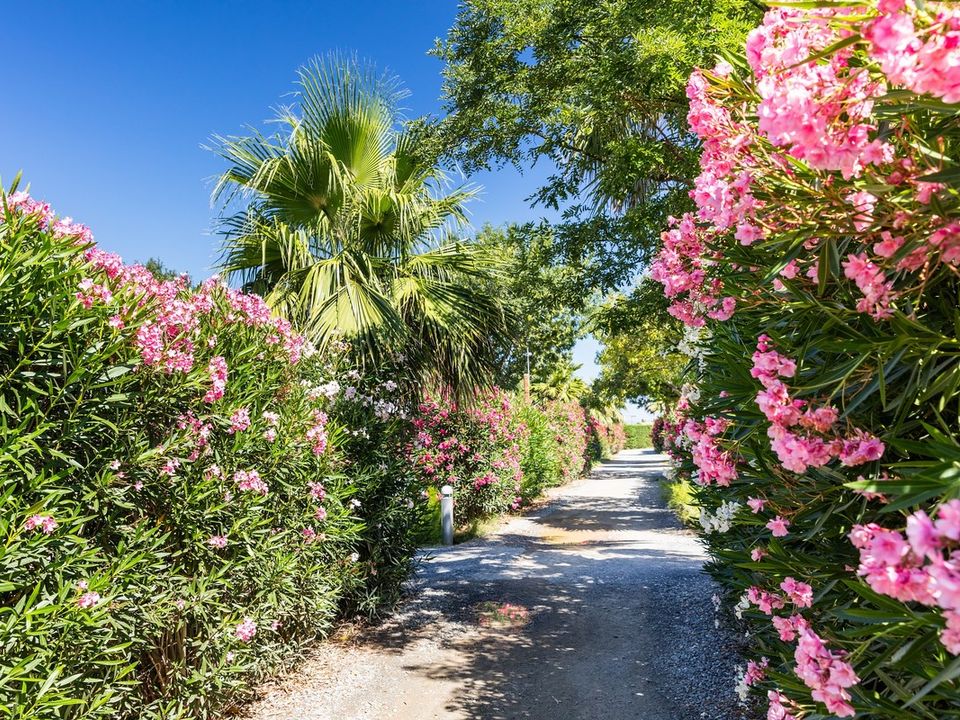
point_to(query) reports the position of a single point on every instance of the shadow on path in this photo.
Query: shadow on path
(620, 618)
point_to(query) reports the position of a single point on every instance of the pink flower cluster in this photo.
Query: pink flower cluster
(802, 436)
(826, 673)
(927, 59)
(246, 630)
(250, 480)
(713, 464)
(924, 567)
(46, 523)
(317, 432)
(681, 268)
(819, 111)
(217, 369)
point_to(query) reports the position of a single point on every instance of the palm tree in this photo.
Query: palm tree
(348, 233)
(562, 383)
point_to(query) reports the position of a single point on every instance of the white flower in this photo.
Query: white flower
(743, 690)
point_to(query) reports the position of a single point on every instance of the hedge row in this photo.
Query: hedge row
(819, 279)
(190, 492)
(501, 453)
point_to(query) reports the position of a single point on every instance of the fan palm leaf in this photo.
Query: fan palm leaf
(346, 233)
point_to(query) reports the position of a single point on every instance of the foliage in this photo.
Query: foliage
(541, 461)
(542, 299)
(595, 90)
(187, 498)
(638, 360)
(821, 270)
(475, 449)
(638, 436)
(346, 231)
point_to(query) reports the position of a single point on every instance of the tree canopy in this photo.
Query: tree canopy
(347, 232)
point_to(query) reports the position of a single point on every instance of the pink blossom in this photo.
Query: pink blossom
(246, 630)
(778, 526)
(88, 600)
(948, 520)
(250, 480)
(239, 421)
(46, 523)
(758, 554)
(217, 370)
(800, 593)
(217, 541)
(756, 504)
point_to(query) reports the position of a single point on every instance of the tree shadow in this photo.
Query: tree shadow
(621, 621)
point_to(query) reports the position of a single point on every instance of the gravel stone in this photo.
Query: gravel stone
(621, 623)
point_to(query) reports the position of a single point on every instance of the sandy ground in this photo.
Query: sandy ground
(620, 623)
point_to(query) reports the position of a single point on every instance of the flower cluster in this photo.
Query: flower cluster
(923, 567)
(800, 435)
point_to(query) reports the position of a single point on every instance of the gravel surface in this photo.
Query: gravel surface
(617, 623)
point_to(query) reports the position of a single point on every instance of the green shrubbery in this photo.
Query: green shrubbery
(639, 436)
(819, 277)
(189, 495)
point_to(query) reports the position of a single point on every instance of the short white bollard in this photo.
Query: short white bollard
(446, 514)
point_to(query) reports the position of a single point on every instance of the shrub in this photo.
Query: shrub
(541, 461)
(476, 450)
(638, 436)
(568, 422)
(819, 279)
(186, 500)
(657, 439)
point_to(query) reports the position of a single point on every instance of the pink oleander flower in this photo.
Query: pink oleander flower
(800, 593)
(861, 448)
(950, 637)
(320, 513)
(756, 504)
(239, 421)
(217, 541)
(756, 671)
(217, 370)
(246, 630)
(309, 534)
(317, 433)
(767, 602)
(46, 523)
(271, 418)
(88, 600)
(826, 673)
(270, 434)
(788, 627)
(250, 480)
(758, 554)
(778, 526)
(778, 704)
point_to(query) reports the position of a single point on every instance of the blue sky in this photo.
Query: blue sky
(107, 105)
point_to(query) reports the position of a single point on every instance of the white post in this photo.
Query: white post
(446, 514)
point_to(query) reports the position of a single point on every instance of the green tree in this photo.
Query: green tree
(543, 297)
(345, 230)
(595, 90)
(638, 359)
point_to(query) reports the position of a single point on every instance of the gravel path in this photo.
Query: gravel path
(621, 623)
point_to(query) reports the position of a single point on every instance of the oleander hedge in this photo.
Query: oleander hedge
(190, 492)
(818, 276)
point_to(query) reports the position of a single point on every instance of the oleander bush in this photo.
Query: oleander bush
(604, 440)
(819, 279)
(188, 495)
(476, 449)
(541, 459)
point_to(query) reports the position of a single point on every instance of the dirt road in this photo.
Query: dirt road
(615, 621)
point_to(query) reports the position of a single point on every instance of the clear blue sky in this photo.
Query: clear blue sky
(106, 106)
